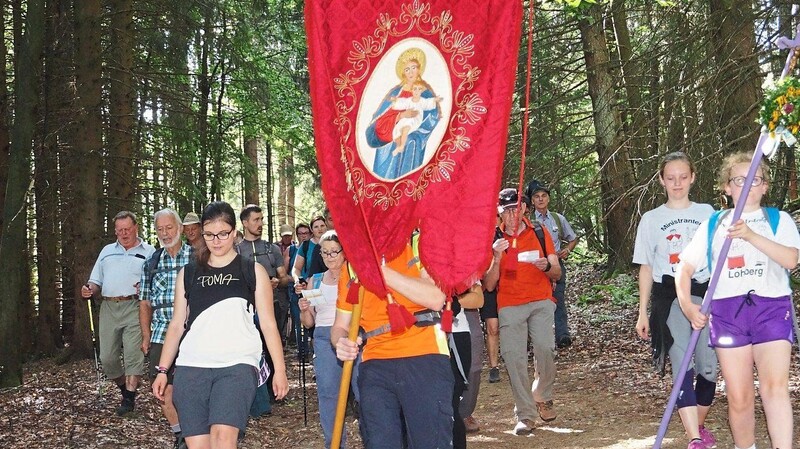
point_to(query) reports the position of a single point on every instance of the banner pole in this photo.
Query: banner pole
(347, 373)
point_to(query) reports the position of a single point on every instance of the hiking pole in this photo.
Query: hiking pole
(302, 355)
(94, 345)
(712, 285)
(347, 373)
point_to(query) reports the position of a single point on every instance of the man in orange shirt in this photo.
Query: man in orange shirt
(523, 270)
(404, 376)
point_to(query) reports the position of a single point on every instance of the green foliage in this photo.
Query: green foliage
(622, 291)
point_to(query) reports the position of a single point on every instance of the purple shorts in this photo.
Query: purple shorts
(749, 320)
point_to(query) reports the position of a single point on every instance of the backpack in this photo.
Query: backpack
(248, 269)
(560, 219)
(537, 229)
(267, 251)
(773, 217)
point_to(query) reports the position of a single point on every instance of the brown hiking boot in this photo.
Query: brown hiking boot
(546, 411)
(471, 424)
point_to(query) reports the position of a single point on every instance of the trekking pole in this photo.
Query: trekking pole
(302, 355)
(94, 345)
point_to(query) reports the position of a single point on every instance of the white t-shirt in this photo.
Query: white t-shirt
(663, 233)
(327, 312)
(746, 267)
(460, 323)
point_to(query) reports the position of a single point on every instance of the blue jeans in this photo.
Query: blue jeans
(562, 329)
(417, 390)
(328, 370)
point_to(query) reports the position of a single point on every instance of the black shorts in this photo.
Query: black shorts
(489, 309)
(155, 356)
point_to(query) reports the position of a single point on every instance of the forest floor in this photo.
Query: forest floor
(606, 396)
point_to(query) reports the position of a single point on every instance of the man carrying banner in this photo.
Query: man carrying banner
(405, 375)
(523, 267)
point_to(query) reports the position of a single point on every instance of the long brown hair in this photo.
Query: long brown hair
(218, 210)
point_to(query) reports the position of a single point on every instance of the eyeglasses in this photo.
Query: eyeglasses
(303, 232)
(220, 235)
(331, 254)
(738, 181)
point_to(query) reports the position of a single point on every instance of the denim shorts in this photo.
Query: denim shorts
(206, 396)
(749, 320)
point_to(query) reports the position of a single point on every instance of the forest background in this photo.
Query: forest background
(108, 105)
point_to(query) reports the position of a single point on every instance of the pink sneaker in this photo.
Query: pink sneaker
(707, 437)
(696, 444)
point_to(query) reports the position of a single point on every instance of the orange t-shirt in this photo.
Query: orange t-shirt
(530, 283)
(414, 341)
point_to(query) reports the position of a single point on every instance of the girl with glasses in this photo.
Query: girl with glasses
(751, 321)
(220, 347)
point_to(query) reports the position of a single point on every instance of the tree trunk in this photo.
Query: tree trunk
(13, 250)
(616, 175)
(84, 167)
(204, 98)
(250, 171)
(270, 198)
(5, 140)
(291, 210)
(57, 115)
(121, 183)
(737, 86)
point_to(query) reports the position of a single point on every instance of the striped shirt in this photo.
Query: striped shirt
(158, 287)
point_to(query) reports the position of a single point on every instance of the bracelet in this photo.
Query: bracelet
(161, 370)
(549, 266)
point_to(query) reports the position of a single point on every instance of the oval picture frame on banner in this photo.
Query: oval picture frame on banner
(404, 110)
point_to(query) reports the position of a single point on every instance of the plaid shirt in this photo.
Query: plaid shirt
(161, 292)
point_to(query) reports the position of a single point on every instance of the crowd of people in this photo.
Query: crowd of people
(216, 313)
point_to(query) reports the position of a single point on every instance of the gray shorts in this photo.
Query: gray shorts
(207, 396)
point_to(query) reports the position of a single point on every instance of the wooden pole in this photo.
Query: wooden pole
(347, 373)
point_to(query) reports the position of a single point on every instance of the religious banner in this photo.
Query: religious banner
(411, 103)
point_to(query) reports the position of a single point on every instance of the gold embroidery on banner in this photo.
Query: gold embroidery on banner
(469, 106)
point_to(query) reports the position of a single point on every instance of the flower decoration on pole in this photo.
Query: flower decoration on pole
(780, 113)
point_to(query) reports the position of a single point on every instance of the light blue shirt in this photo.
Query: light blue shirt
(553, 225)
(117, 270)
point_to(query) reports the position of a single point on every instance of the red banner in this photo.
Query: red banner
(411, 102)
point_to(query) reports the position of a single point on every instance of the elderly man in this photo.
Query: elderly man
(523, 267)
(191, 229)
(564, 240)
(156, 297)
(115, 276)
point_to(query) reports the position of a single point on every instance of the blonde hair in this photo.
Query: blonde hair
(735, 159)
(412, 54)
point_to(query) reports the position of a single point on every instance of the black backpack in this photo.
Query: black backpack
(537, 229)
(248, 270)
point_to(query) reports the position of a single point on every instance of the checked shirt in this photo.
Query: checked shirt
(161, 292)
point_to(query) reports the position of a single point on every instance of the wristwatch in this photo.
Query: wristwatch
(549, 266)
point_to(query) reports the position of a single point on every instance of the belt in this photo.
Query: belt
(118, 298)
(424, 318)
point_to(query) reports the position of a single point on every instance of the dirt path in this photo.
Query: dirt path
(605, 398)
